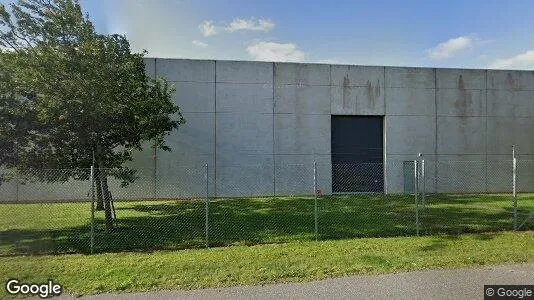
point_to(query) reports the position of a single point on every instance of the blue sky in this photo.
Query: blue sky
(470, 34)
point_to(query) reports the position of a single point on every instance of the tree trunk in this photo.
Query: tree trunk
(98, 186)
(106, 195)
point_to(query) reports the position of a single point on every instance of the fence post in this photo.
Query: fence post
(416, 192)
(207, 207)
(514, 186)
(92, 176)
(423, 182)
(315, 201)
(17, 186)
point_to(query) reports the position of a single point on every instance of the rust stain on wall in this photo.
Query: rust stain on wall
(373, 92)
(461, 84)
(346, 92)
(511, 83)
(465, 99)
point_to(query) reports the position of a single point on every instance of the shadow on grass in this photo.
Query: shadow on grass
(443, 240)
(150, 226)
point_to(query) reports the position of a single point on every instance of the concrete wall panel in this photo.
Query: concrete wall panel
(150, 66)
(302, 99)
(71, 190)
(461, 79)
(410, 77)
(410, 134)
(186, 70)
(195, 137)
(301, 74)
(246, 175)
(429, 174)
(244, 98)
(503, 132)
(461, 174)
(8, 191)
(507, 103)
(525, 175)
(410, 101)
(239, 134)
(362, 76)
(185, 178)
(143, 188)
(499, 173)
(461, 135)
(244, 72)
(294, 174)
(302, 134)
(355, 100)
(510, 80)
(454, 102)
(180, 173)
(394, 175)
(195, 96)
(145, 163)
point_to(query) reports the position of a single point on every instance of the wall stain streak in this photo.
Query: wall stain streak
(511, 83)
(372, 94)
(346, 93)
(465, 100)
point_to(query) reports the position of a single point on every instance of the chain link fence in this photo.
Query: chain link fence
(81, 211)
(358, 206)
(524, 195)
(467, 197)
(45, 211)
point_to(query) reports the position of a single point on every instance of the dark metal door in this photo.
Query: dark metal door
(357, 154)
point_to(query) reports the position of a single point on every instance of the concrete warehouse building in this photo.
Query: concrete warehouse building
(260, 126)
(253, 122)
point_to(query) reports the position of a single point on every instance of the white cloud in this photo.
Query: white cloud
(207, 28)
(270, 51)
(199, 44)
(450, 48)
(250, 24)
(521, 61)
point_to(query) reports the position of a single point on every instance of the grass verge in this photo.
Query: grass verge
(273, 263)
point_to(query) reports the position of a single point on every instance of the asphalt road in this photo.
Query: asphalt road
(432, 284)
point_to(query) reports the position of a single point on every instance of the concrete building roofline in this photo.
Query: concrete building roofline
(349, 65)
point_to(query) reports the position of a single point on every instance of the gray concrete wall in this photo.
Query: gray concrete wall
(260, 126)
(479, 115)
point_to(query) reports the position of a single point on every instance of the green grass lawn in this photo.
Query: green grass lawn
(158, 225)
(289, 262)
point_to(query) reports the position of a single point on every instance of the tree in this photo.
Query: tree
(69, 93)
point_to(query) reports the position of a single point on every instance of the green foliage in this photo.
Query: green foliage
(66, 91)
